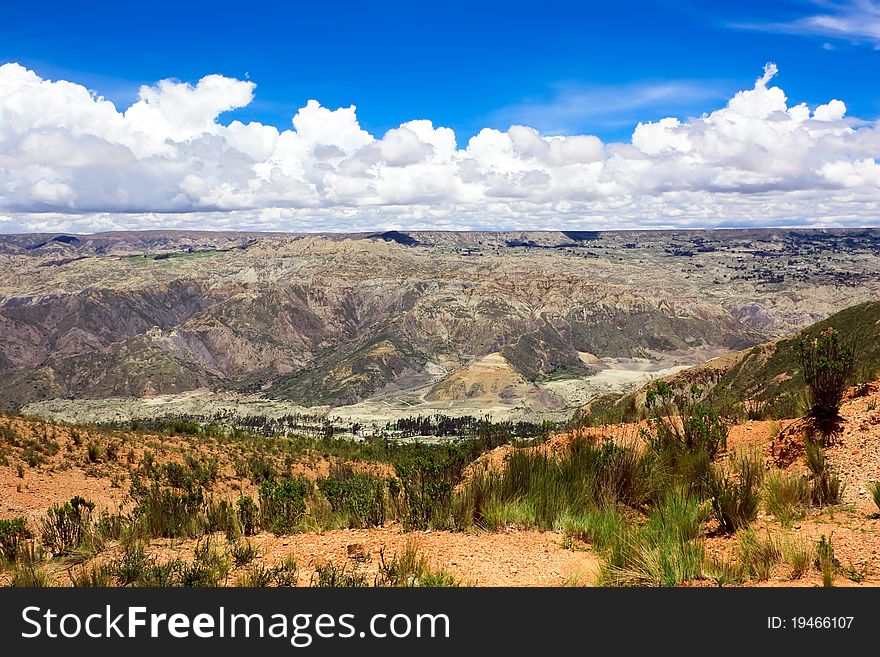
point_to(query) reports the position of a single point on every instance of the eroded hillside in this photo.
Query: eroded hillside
(402, 320)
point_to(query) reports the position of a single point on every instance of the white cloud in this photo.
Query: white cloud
(70, 160)
(853, 20)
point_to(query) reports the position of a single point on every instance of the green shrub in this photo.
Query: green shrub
(95, 451)
(168, 513)
(221, 517)
(210, 567)
(357, 496)
(286, 573)
(261, 468)
(330, 575)
(13, 534)
(248, 515)
(132, 565)
(283, 504)
(161, 575)
(427, 490)
(242, 553)
(827, 362)
(9, 435)
(96, 576)
(257, 576)
(112, 526)
(66, 527)
(682, 423)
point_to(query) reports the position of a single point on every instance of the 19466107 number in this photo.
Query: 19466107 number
(810, 622)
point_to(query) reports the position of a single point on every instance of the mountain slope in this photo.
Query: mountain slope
(767, 374)
(337, 319)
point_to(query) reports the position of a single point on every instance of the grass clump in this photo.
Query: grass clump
(875, 493)
(29, 574)
(95, 576)
(735, 494)
(328, 574)
(826, 561)
(825, 485)
(243, 553)
(759, 555)
(255, 577)
(785, 496)
(800, 556)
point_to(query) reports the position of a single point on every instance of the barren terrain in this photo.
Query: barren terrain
(373, 327)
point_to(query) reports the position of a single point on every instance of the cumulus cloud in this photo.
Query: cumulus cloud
(71, 160)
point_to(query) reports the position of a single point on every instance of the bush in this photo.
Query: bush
(209, 567)
(95, 451)
(95, 576)
(257, 576)
(286, 573)
(222, 517)
(827, 363)
(248, 515)
(359, 497)
(735, 496)
(283, 504)
(681, 423)
(161, 575)
(427, 491)
(66, 527)
(167, 513)
(243, 553)
(132, 566)
(13, 534)
(329, 575)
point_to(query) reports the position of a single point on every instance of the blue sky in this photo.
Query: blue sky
(489, 115)
(465, 65)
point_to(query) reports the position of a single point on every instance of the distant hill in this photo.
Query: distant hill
(771, 370)
(768, 373)
(414, 320)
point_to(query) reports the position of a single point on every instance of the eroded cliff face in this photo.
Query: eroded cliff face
(336, 319)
